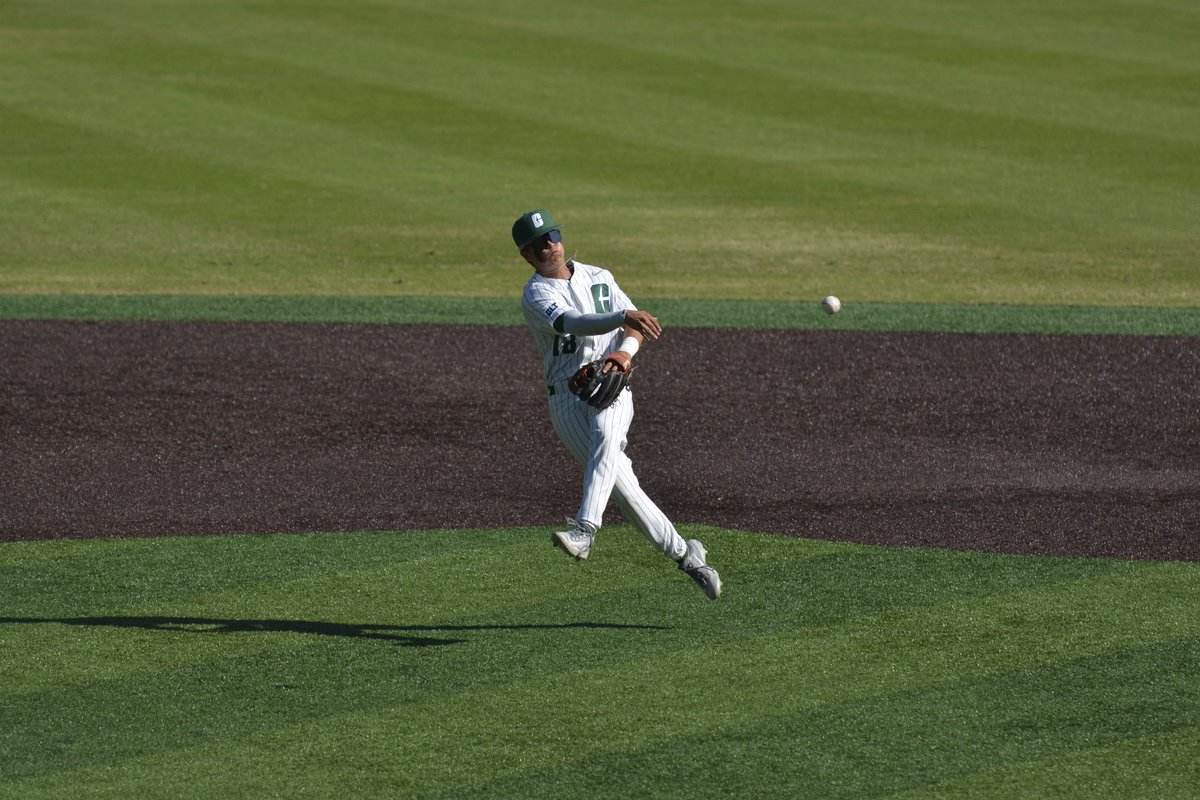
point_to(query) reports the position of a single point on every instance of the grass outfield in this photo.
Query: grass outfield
(484, 664)
(930, 151)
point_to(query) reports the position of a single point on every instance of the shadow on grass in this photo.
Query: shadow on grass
(404, 635)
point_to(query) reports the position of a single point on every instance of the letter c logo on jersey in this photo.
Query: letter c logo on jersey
(537, 220)
(602, 298)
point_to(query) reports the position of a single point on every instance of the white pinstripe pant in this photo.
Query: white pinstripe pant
(597, 441)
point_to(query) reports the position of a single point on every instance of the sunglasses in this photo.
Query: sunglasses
(553, 237)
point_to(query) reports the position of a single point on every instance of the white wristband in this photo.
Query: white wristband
(630, 345)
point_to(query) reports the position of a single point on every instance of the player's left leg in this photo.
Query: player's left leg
(648, 518)
(642, 512)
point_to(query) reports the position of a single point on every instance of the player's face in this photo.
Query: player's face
(546, 253)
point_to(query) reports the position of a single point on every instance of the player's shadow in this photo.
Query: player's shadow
(402, 635)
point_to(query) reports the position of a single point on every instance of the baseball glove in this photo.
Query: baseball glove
(598, 388)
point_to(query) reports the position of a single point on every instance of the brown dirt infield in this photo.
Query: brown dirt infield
(1068, 445)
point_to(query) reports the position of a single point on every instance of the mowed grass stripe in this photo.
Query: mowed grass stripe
(503, 70)
(772, 659)
(484, 35)
(1162, 766)
(1129, 31)
(174, 589)
(833, 119)
(500, 729)
(111, 574)
(159, 235)
(995, 725)
(243, 152)
(252, 201)
(751, 47)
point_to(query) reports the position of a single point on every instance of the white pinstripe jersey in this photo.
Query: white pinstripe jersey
(591, 290)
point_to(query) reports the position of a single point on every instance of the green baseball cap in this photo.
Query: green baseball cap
(531, 225)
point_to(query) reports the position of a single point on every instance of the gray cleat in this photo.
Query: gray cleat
(697, 568)
(576, 542)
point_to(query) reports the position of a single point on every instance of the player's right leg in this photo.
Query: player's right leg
(596, 439)
(574, 422)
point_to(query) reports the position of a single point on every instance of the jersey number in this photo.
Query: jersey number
(565, 344)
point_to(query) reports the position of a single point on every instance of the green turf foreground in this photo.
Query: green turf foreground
(484, 664)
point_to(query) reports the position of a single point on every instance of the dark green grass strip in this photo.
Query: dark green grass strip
(867, 316)
(85, 576)
(886, 744)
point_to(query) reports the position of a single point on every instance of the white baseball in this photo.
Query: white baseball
(831, 305)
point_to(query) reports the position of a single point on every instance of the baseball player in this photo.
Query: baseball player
(578, 315)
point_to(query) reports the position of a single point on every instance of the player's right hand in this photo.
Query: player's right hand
(643, 322)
